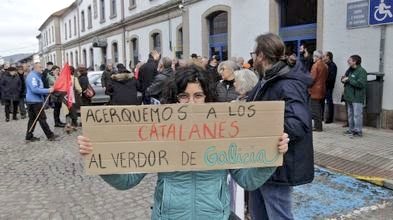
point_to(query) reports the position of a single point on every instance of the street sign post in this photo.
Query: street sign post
(381, 12)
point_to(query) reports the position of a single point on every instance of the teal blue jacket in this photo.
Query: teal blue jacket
(193, 195)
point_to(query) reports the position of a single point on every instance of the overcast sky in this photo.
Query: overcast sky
(20, 20)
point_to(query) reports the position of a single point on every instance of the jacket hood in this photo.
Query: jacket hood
(122, 76)
(297, 72)
(167, 72)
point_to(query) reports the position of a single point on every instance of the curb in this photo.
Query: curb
(371, 179)
(388, 184)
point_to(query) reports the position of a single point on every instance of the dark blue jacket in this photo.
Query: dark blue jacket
(290, 85)
(11, 87)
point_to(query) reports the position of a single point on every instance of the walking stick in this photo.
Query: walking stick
(39, 113)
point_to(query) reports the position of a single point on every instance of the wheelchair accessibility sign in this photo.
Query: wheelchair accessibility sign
(381, 12)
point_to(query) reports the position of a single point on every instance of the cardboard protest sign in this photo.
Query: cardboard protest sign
(182, 137)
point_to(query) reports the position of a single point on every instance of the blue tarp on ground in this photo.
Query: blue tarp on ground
(332, 195)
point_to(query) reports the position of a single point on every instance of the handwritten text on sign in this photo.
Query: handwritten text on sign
(183, 137)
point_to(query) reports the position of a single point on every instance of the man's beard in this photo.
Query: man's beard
(260, 69)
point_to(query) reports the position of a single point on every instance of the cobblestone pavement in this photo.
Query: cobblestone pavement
(45, 180)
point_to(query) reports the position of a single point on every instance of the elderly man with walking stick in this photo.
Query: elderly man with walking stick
(35, 93)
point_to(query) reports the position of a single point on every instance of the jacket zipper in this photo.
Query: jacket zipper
(193, 196)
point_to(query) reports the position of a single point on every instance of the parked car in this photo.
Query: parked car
(95, 82)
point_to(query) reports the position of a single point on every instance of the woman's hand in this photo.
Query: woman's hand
(283, 144)
(85, 147)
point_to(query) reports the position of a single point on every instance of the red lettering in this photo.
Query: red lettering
(194, 129)
(153, 131)
(171, 131)
(221, 129)
(181, 138)
(236, 127)
(207, 131)
(140, 133)
(163, 131)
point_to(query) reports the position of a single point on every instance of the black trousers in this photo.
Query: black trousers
(329, 114)
(316, 109)
(22, 107)
(33, 110)
(7, 108)
(56, 112)
(73, 116)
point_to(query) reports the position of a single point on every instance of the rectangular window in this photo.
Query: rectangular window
(69, 24)
(50, 37)
(89, 18)
(65, 31)
(83, 21)
(113, 9)
(298, 12)
(53, 34)
(102, 11)
(74, 25)
(132, 4)
(95, 9)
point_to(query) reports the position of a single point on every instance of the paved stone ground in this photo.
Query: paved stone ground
(45, 180)
(371, 155)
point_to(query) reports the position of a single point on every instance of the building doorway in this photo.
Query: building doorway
(218, 34)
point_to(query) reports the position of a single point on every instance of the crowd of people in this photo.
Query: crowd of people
(305, 83)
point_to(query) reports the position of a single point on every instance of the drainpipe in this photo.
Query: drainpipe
(124, 33)
(78, 36)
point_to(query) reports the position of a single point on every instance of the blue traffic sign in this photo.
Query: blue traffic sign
(381, 12)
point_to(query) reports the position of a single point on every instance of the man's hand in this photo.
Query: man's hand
(51, 90)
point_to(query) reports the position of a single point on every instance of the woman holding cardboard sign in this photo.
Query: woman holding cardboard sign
(198, 194)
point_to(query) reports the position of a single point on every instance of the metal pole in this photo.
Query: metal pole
(381, 69)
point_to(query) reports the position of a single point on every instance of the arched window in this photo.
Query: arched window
(91, 57)
(65, 31)
(218, 34)
(134, 51)
(179, 43)
(67, 58)
(69, 24)
(76, 58)
(71, 59)
(155, 39)
(84, 57)
(113, 9)
(115, 52)
(53, 34)
(83, 21)
(74, 25)
(89, 17)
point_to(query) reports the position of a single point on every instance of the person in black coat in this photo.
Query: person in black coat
(212, 71)
(281, 82)
(147, 72)
(330, 82)
(84, 82)
(306, 57)
(155, 89)
(22, 72)
(123, 88)
(11, 89)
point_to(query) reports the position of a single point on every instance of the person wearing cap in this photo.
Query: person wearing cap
(11, 87)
